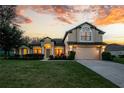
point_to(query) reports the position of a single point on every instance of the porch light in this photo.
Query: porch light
(103, 48)
(75, 46)
(47, 46)
(70, 47)
(98, 46)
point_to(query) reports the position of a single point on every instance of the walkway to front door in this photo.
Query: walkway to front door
(109, 70)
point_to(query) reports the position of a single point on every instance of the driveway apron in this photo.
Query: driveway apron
(109, 70)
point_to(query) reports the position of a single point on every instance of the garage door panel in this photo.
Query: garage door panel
(87, 53)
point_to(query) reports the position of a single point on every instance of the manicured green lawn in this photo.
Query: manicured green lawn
(49, 74)
(119, 60)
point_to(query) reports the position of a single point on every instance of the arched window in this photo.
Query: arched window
(86, 34)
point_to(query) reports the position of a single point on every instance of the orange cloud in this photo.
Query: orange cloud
(101, 15)
(62, 13)
(115, 15)
(23, 20)
(64, 20)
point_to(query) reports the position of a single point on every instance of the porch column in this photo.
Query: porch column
(100, 52)
(31, 51)
(42, 50)
(53, 50)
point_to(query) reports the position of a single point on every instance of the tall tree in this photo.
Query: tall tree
(7, 15)
(26, 40)
(10, 35)
(11, 38)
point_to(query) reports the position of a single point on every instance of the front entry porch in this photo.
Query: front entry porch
(47, 50)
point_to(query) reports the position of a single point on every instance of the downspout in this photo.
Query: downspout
(76, 34)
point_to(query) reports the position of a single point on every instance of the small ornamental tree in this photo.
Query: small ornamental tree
(71, 55)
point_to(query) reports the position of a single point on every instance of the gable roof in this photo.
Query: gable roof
(57, 41)
(45, 38)
(35, 43)
(79, 26)
(115, 47)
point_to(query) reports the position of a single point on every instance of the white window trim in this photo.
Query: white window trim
(81, 35)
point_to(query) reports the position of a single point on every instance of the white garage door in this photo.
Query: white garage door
(87, 53)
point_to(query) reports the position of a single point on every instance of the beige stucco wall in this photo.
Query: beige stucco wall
(72, 36)
(76, 33)
(96, 36)
(66, 46)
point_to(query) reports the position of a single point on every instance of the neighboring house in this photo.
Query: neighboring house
(115, 49)
(85, 39)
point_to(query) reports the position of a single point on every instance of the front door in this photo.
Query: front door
(47, 53)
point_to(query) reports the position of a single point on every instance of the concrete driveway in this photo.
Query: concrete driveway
(109, 70)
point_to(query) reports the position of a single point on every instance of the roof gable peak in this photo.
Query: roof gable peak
(79, 26)
(45, 38)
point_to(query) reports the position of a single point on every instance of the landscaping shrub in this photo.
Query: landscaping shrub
(28, 57)
(12, 57)
(119, 60)
(51, 57)
(33, 56)
(63, 56)
(121, 56)
(107, 56)
(58, 57)
(71, 55)
(113, 56)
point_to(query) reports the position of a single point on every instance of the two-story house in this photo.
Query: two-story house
(85, 39)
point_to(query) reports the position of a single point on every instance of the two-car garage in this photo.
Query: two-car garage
(87, 53)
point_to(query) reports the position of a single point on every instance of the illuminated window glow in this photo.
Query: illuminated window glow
(37, 50)
(58, 51)
(23, 51)
(47, 46)
(70, 48)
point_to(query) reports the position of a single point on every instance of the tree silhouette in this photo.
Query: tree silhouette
(10, 35)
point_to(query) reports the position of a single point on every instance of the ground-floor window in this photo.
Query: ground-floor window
(37, 50)
(24, 51)
(58, 51)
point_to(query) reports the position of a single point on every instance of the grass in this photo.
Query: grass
(119, 60)
(37, 74)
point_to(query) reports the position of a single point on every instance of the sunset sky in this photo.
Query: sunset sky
(54, 21)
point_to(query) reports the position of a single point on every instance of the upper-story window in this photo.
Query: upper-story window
(86, 34)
